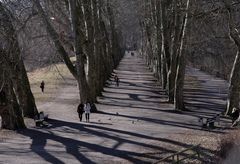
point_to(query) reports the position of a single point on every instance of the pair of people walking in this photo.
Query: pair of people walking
(84, 108)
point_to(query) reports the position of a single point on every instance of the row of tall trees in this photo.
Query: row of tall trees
(234, 87)
(89, 33)
(91, 38)
(171, 34)
(164, 26)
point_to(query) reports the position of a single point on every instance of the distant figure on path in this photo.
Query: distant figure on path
(87, 109)
(132, 54)
(80, 111)
(116, 79)
(42, 86)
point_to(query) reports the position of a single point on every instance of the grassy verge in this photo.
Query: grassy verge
(54, 76)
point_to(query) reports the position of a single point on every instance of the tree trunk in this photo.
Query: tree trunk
(114, 46)
(159, 39)
(234, 88)
(10, 111)
(179, 83)
(174, 50)
(84, 90)
(107, 48)
(17, 68)
(151, 53)
(15, 114)
(23, 90)
(90, 48)
(102, 68)
(165, 55)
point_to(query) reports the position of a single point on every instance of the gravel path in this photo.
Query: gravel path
(134, 120)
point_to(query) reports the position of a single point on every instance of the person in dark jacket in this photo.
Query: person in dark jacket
(116, 79)
(80, 111)
(42, 86)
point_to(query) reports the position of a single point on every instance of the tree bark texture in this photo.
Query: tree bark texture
(234, 87)
(180, 75)
(12, 56)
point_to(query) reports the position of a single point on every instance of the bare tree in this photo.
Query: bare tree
(13, 59)
(86, 25)
(234, 88)
(180, 74)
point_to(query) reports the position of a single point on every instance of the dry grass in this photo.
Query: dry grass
(54, 77)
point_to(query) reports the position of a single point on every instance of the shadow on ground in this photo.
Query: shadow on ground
(135, 124)
(73, 147)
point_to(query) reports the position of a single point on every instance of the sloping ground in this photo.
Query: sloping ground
(135, 123)
(204, 93)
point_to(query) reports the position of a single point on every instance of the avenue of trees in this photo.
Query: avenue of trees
(165, 29)
(168, 34)
(85, 29)
(202, 33)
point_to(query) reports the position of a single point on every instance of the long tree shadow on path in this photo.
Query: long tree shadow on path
(137, 98)
(73, 146)
(204, 93)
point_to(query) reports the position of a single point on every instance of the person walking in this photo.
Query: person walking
(42, 86)
(87, 109)
(80, 111)
(116, 79)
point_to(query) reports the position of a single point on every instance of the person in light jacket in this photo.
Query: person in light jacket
(87, 110)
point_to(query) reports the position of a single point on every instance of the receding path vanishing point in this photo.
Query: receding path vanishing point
(134, 120)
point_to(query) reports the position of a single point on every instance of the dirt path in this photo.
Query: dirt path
(134, 119)
(204, 93)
